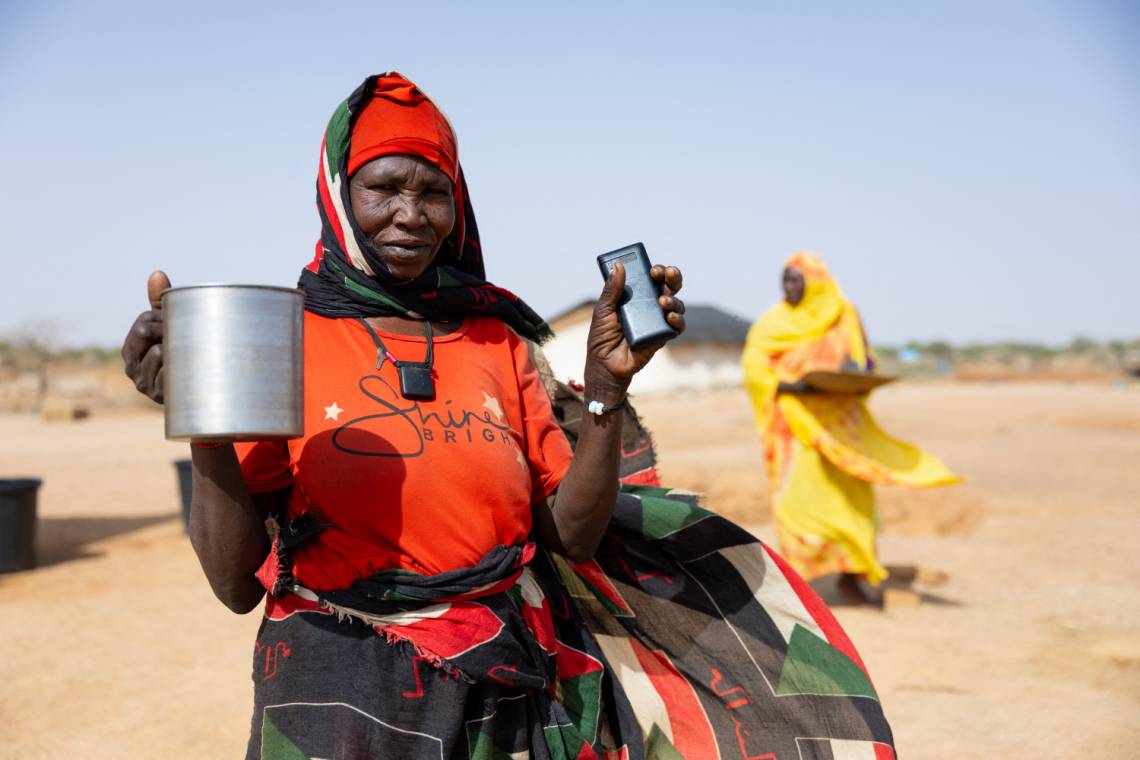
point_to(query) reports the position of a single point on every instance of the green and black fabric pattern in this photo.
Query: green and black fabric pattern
(685, 637)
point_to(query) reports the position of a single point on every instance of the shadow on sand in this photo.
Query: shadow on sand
(898, 590)
(64, 539)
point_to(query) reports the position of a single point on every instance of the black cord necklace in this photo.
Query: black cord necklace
(415, 377)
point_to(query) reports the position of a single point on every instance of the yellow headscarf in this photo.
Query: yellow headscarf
(821, 332)
(784, 326)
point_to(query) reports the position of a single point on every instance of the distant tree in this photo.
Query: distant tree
(35, 345)
(940, 350)
(887, 352)
(973, 351)
(1082, 345)
(90, 356)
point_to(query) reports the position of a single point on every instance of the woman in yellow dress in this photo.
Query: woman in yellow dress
(823, 450)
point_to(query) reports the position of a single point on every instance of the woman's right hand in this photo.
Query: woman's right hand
(142, 348)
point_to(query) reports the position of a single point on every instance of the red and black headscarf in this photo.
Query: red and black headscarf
(389, 115)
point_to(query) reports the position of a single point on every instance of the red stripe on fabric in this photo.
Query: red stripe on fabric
(315, 265)
(484, 591)
(635, 452)
(884, 752)
(592, 573)
(540, 623)
(461, 205)
(646, 477)
(327, 201)
(464, 626)
(572, 662)
(279, 609)
(501, 291)
(267, 573)
(528, 551)
(692, 732)
(819, 612)
(586, 752)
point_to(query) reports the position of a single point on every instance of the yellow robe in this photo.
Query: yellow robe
(823, 451)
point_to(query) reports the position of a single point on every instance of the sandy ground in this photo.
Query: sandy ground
(114, 646)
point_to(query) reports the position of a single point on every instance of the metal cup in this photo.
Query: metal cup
(233, 362)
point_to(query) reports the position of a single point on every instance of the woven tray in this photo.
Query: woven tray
(846, 382)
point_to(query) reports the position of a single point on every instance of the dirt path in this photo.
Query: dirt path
(114, 646)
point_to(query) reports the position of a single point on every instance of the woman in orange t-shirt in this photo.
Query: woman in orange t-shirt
(433, 586)
(384, 479)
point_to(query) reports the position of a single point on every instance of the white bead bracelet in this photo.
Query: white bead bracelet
(598, 408)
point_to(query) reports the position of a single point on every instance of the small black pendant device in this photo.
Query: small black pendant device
(415, 377)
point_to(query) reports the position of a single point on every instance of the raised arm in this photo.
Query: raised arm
(572, 521)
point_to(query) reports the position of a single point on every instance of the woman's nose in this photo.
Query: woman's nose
(409, 211)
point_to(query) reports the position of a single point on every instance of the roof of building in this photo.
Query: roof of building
(703, 323)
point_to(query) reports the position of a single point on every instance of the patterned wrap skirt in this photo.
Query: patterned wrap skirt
(685, 637)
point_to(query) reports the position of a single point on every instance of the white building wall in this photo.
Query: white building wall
(681, 367)
(567, 352)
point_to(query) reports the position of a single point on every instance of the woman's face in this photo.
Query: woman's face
(405, 207)
(793, 286)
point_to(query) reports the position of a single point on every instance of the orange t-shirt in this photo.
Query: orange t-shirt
(428, 486)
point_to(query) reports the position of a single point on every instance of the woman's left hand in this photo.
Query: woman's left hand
(573, 520)
(610, 362)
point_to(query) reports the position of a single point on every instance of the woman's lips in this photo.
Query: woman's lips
(406, 250)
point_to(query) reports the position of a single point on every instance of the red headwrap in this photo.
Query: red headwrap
(388, 115)
(399, 119)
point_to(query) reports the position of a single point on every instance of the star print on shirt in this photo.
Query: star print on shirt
(332, 412)
(492, 403)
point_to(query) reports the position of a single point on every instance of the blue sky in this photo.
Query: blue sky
(970, 171)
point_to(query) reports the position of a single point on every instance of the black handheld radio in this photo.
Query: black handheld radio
(642, 319)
